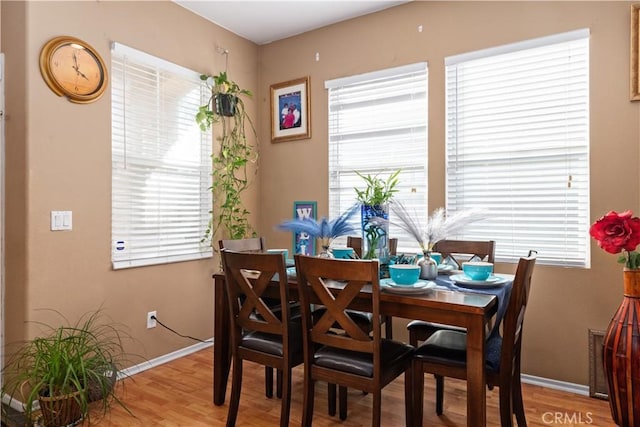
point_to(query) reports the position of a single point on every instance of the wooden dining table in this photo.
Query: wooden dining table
(472, 311)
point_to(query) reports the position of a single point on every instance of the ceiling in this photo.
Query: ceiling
(267, 21)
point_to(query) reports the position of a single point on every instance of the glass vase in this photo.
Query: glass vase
(375, 232)
(428, 267)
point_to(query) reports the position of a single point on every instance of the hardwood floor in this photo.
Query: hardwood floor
(179, 393)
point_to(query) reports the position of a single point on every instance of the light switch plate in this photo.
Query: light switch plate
(61, 221)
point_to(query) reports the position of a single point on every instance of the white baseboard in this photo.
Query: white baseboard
(161, 360)
(555, 384)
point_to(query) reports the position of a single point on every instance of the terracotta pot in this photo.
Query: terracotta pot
(621, 355)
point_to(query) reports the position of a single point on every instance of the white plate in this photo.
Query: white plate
(445, 267)
(419, 287)
(491, 282)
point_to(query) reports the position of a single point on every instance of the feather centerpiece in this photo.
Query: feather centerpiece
(438, 226)
(324, 229)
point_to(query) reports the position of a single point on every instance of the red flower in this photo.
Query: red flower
(616, 232)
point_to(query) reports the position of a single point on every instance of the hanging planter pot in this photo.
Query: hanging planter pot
(226, 104)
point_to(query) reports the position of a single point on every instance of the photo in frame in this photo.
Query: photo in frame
(634, 54)
(290, 110)
(302, 242)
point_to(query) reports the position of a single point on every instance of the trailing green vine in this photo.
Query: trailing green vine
(230, 176)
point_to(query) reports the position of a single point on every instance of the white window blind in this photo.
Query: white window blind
(161, 167)
(377, 125)
(518, 145)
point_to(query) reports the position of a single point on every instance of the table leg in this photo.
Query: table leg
(221, 350)
(476, 377)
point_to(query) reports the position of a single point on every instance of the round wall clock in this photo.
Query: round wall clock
(72, 68)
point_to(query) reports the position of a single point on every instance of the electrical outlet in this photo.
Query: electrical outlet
(151, 319)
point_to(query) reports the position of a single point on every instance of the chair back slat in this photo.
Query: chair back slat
(356, 244)
(334, 315)
(243, 245)
(514, 315)
(314, 277)
(464, 250)
(254, 314)
(247, 277)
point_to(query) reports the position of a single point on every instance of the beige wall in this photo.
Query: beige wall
(58, 155)
(565, 302)
(59, 158)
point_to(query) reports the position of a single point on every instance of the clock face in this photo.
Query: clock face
(76, 69)
(72, 68)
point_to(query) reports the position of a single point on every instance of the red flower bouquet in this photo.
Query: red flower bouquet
(619, 233)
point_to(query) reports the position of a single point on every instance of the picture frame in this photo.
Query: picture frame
(598, 387)
(290, 123)
(302, 242)
(634, 54)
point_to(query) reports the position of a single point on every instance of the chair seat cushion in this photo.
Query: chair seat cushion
(272, 344)
(428, 328)
(446, 346)
(357, 363)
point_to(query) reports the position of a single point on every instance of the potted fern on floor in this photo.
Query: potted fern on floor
(66, 368)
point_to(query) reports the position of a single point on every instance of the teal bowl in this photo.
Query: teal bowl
(477, 270)
(404, 274)
(342, 252)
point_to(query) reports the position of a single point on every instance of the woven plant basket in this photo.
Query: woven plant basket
(60, 411)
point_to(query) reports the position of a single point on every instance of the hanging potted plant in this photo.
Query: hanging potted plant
(374, 200)
(66, 368)
(226, 109)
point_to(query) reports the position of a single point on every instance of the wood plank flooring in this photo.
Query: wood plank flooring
(179, 393)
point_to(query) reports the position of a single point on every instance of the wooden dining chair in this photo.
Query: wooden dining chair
(356, 244)
(352, 357)
(257, 244)
(460, 251)
(365, 320)
(444, 355)
(258, 332)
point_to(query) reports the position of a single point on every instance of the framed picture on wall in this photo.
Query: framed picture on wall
(302, 242)
(634, 54)
(290, 111)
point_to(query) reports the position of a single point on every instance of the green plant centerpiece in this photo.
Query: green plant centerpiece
(67, 368)
(230, 175)
(374, 200)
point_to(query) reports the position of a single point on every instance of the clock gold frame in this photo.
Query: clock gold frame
(49, 74)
